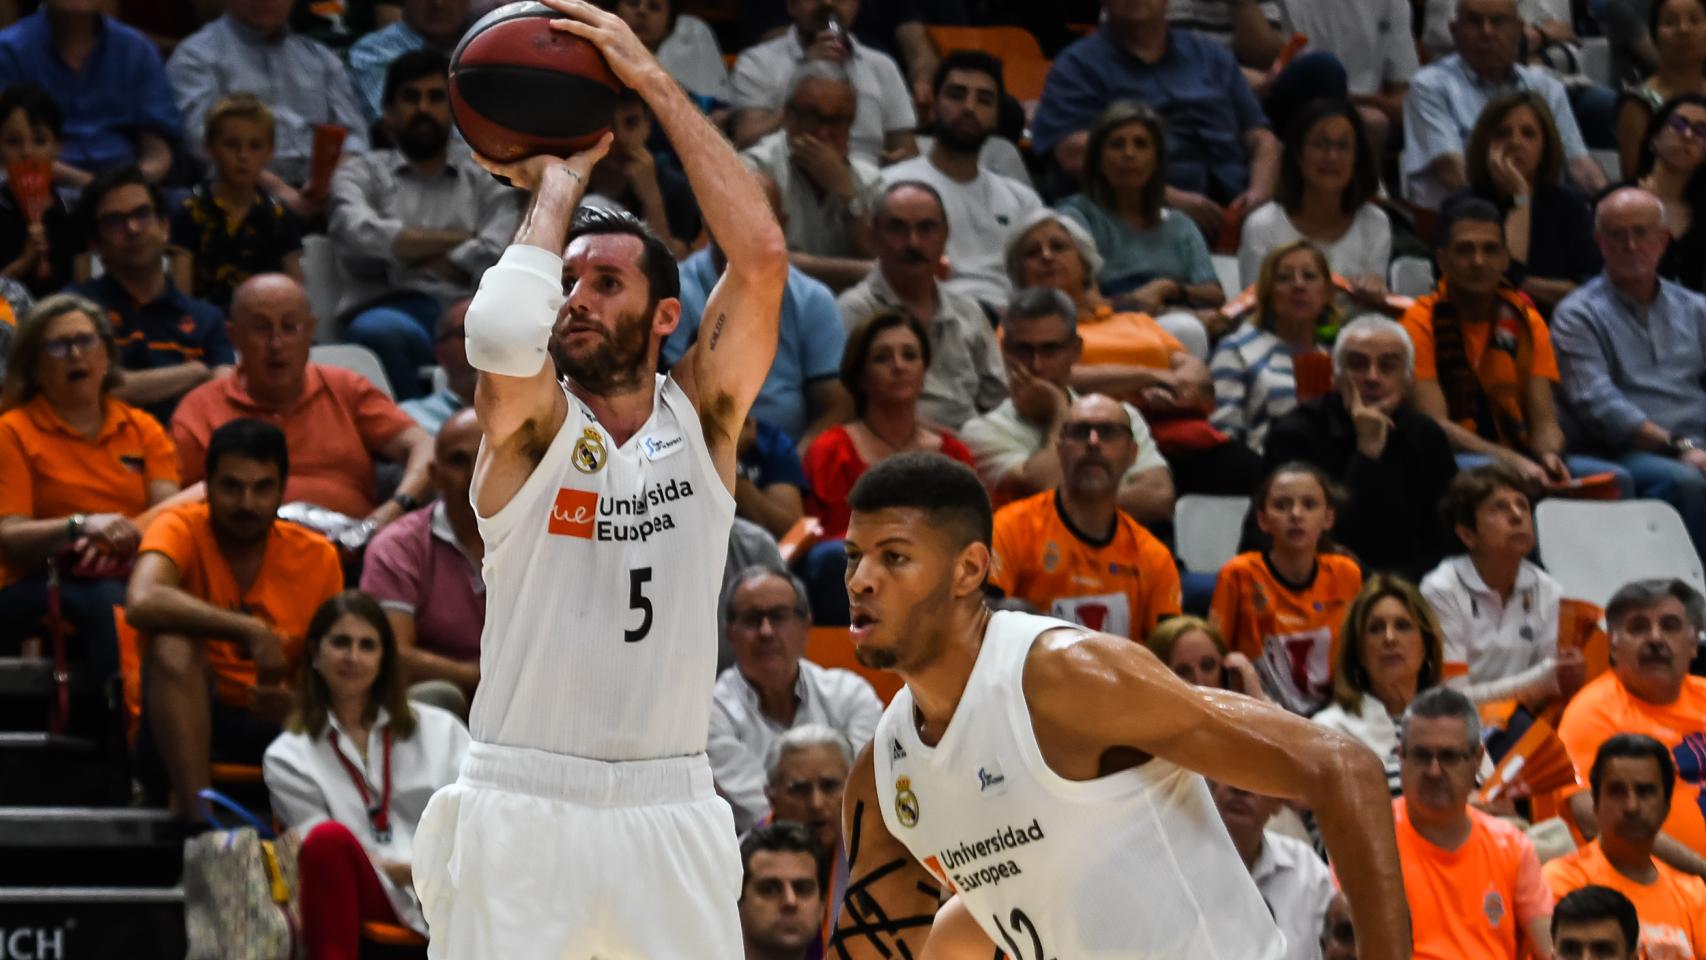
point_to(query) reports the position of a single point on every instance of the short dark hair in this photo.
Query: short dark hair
(783, 836)
(946, 489)
(1593, 903)
(1695, 191)
(410, 67)
(1469, 489)
(1633, 746)
(1478, 151)
(248, 439)
(858, 350)
(1467, 210)
(1652, 17)
(105, 183)
(1442, 703)
(38, 106)
(656, 262)
(1365, 172)
(976, 60)
(1645, 593)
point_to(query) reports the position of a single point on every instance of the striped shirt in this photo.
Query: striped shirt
(1213, 18)
(1253, 384)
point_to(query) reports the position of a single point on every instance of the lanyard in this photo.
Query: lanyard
(378, 815)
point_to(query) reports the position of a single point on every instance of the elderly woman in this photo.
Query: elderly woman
(352, 774)
(1152, 257)
(1124, 354)
(1255, 381)
(76, 466)
(1193, 649)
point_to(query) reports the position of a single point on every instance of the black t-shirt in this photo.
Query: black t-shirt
(65, 240)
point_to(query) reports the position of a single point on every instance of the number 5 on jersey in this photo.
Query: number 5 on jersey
(637, 600)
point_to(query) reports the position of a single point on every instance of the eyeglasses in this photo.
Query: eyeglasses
(1043, 350)
(114, 222)
(1080, 431)
(1679, 125)
(61, 347)
(1448, 759)
(803, 789)
(779, 616)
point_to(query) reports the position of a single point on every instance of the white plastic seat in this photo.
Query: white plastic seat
(323, 280)
(1208, 529)
(1189, 331)
(354, 356)
(1226, 270)
(1593, 547)
(1411, 277)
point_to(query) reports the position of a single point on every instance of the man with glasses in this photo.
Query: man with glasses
(1632, 351)
(1655, 629)
(965, 377)
(807, 770)
(168, 341)
(1017, 443)
(826, 191)
(1071, 552)
(772, 689)
(1471, 879)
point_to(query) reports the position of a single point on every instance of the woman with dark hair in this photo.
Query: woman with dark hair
(37, 248)
(1670, 169)
(352, 774)
(883, 368)
(1514, 158)
(76, 466)
(1678, 31)
(1152, 257)
(1328, 179)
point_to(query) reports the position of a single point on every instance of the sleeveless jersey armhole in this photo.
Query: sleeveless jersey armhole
(529, 495)
(693, 429)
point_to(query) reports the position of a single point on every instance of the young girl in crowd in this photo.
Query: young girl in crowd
(37, 248)
(1282, 606)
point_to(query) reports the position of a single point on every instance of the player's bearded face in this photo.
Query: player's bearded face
(602, 360)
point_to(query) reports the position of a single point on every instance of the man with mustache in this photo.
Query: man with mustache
(966, 377)
(414, 226)
(1071, 552)
(222, 592)
(1655, 629)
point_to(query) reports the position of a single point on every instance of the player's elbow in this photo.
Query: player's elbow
(763, 259)
(1346, 769)
(509, 322)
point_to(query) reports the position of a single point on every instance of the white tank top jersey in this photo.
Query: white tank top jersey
(1132, 866)
(602, 580)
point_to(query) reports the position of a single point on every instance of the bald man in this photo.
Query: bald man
(1632, 354)
(425, 569)
(335, 421)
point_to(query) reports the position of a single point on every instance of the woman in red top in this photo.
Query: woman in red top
(883, 367)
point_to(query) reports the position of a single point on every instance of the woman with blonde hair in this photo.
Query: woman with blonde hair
(1194, 650)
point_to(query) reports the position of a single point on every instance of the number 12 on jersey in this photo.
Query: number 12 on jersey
(637, 600)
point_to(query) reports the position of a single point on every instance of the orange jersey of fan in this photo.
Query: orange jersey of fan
(1672, 908)
(1472, 901)
(1289, 631)
(1124, 585)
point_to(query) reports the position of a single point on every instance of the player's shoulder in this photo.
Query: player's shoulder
(1078, 666)
(862, 777)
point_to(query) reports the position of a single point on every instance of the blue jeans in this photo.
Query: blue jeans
(1677, 484)
(1579, 465)
(86, 608)
(400, 331)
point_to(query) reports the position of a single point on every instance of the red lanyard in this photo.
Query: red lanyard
(378, 815)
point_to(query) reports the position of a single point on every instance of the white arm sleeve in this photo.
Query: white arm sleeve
(509, 323)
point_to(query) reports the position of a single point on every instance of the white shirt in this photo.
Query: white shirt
(1364, 250)
(817, 221)
(884, 102)
(1298, 887)
(691, 55)
(742, 733)
(1370, 37)
(981, 213)
(1001, 441)
(309, 785)
(1510, 648)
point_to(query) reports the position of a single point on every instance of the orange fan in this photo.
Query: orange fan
(32, 185)
(1538, 764)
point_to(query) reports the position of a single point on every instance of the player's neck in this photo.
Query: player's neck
(938, 686)
(620, 414)
(1632, 861)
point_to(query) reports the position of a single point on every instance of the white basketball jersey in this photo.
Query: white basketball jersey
(1132, 866)
(602, 579)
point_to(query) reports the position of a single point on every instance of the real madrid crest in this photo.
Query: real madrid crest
(589, 452)
(905, 802)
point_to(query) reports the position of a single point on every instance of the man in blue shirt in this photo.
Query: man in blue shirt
(1632, 351)
(108, 81)
(434, 24)
(169, 342)
(1220, 151)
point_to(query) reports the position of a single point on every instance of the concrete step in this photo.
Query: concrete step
(44, 769)
(99, 827)
(25, 677)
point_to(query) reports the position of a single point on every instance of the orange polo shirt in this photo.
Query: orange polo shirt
(299, 571)
(1605, 708)
(1672, 908)
(1290, 632)
(47, 469)
(333, 430)
(1524, 348)
(1472, 902)
(1134, 339)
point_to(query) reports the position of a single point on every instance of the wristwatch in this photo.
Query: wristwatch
(857, 208)
(405, 501)
(74, 526)
(1680, 446)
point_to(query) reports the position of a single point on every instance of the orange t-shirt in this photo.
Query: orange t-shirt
(1672, 908)
(299, 571)
(1475, 901)
(1605, 708)
(332, 431)
(47, 469)
(1290, 634)
(1124, 586)
(1523, 349)
(1126, 338)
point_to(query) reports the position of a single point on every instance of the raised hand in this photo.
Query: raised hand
(1372, 426)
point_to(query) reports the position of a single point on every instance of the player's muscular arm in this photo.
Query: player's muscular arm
(1081, 686)
(890, 898)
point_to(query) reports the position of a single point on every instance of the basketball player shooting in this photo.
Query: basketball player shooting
(584, 823)
(1046, 778)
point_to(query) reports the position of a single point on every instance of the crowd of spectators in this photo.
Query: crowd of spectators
(1166, 275)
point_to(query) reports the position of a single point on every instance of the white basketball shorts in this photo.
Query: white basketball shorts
(539, 856)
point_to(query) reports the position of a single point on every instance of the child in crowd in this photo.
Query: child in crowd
(1282, 606)
(36, 253)
(229, 229)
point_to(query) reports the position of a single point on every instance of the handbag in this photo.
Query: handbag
(240, 888)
